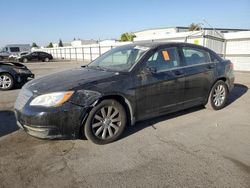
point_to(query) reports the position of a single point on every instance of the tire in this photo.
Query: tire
(25, 60)
(6, 81)
(101, 130)
(46, 59)
(1, 58)
(218, 96)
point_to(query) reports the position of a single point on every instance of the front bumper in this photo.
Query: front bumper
(22, 78)
(50, 123)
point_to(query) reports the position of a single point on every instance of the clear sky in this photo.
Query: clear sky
(25, 21)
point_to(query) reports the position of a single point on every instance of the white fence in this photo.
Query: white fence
(84, 52)
(233, 46)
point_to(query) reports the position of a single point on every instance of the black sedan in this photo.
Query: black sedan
(35, 56)
(13, 74)
(125, 85)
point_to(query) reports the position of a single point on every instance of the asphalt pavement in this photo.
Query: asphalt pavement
(191, 148)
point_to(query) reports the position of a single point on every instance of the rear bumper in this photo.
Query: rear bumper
(58, 122)
(230, 83)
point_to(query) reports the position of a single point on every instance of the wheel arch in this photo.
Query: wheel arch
(119, 98)
(222, 78)
(9, 73)
(124, 102)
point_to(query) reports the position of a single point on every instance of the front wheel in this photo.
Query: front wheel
(218, 96)
(6, 81)
(106, 122)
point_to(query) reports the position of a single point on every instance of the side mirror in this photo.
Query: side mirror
(150, 70)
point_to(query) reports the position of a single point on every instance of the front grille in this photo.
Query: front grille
(22, 98)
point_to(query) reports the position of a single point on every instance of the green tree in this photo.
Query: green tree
(50, 45)
(60, 43)
(127, 37)
(194, 27)
(34, 45)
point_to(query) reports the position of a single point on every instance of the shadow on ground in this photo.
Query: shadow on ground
(238, 91)
(7, 122)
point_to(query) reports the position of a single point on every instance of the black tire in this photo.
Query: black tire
(117, 128)
(12, 82)
(25, 60)
(212, 102)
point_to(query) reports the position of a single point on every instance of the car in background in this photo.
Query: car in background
(18, 55)
(13, 50)
(13, 74)
(128, 84)
(35, 56)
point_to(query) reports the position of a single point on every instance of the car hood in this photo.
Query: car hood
(13, 65)
(67, 80)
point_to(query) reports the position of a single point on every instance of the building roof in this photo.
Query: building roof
(182, 27)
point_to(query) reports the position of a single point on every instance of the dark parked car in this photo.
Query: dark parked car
(13, 74)
(35, 56)
(125, 85)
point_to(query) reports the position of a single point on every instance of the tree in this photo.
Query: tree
(60, 43)
(194, 27)
(50, 45)
(127, 37)
(34, 45)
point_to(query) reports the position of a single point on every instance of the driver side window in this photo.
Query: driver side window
(164, 59)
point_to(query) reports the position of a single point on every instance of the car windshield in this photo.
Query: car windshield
(120, 58)
(3, 49)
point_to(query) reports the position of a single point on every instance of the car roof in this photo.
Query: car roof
(153, 45)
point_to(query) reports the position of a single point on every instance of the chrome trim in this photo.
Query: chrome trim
(36, 129)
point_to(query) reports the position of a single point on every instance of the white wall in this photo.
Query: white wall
(238, 49)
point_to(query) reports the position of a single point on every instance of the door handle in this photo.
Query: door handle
(210, 66)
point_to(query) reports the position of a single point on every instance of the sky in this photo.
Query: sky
(44, 21)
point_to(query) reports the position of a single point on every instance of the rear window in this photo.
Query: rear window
(215, 58)
(195, 56)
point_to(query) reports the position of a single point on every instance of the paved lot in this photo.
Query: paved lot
(192, 148)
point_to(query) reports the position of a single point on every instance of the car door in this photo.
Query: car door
(34, 56)
(161, 82)
(42, 56)
(200, 74)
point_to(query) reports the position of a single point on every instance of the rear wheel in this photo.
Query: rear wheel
(46, 59)
(25, 60)
(218, 96)
(6, 81)
(106, 122)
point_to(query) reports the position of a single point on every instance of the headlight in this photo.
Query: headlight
(52, 99)
(22, 71)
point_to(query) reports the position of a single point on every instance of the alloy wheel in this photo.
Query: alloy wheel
(219, 95)
(106, 122)
(5, 82)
